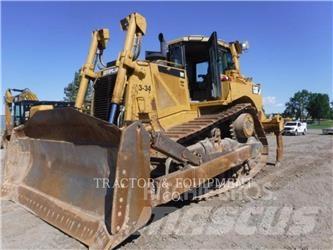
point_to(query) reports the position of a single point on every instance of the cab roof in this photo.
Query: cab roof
(196, 38)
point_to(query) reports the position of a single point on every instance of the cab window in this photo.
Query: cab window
(17, 110)
(17, 114)
(225, 60)
(201, 71)
(176, 54)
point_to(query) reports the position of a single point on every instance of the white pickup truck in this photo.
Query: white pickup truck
(295, 128)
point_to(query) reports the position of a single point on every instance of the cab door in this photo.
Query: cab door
(214, 66)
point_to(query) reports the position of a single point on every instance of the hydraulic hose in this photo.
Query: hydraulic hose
(113, 111)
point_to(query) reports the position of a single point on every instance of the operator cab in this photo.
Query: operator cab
(21, 109)
(204, 59)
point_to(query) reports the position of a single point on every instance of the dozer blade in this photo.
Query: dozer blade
(62, 164)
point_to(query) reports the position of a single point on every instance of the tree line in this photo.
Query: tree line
(72, 89)
(305, 105)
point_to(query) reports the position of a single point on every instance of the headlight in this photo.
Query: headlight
(245, 45)
(256, 89)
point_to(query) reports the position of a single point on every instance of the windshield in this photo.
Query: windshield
(291, 124)
(176, 54)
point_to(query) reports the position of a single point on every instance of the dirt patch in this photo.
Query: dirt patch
(283, 207)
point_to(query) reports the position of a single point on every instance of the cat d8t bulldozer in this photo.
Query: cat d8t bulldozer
(184, 113)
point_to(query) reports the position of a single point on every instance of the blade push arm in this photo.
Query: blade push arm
(98, 42)
(135, 25)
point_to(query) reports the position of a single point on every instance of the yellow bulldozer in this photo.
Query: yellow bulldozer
(183, 113)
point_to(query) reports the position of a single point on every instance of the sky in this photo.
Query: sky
(44, 43)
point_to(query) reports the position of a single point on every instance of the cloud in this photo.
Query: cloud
(272, 101)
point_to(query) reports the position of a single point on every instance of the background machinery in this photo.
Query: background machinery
(184, 113)
(22, 106)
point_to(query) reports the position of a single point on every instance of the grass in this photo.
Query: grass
(323, 124)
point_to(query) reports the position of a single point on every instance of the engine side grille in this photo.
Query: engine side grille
(102, 97)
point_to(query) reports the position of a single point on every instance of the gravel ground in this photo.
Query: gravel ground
(283, 207)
